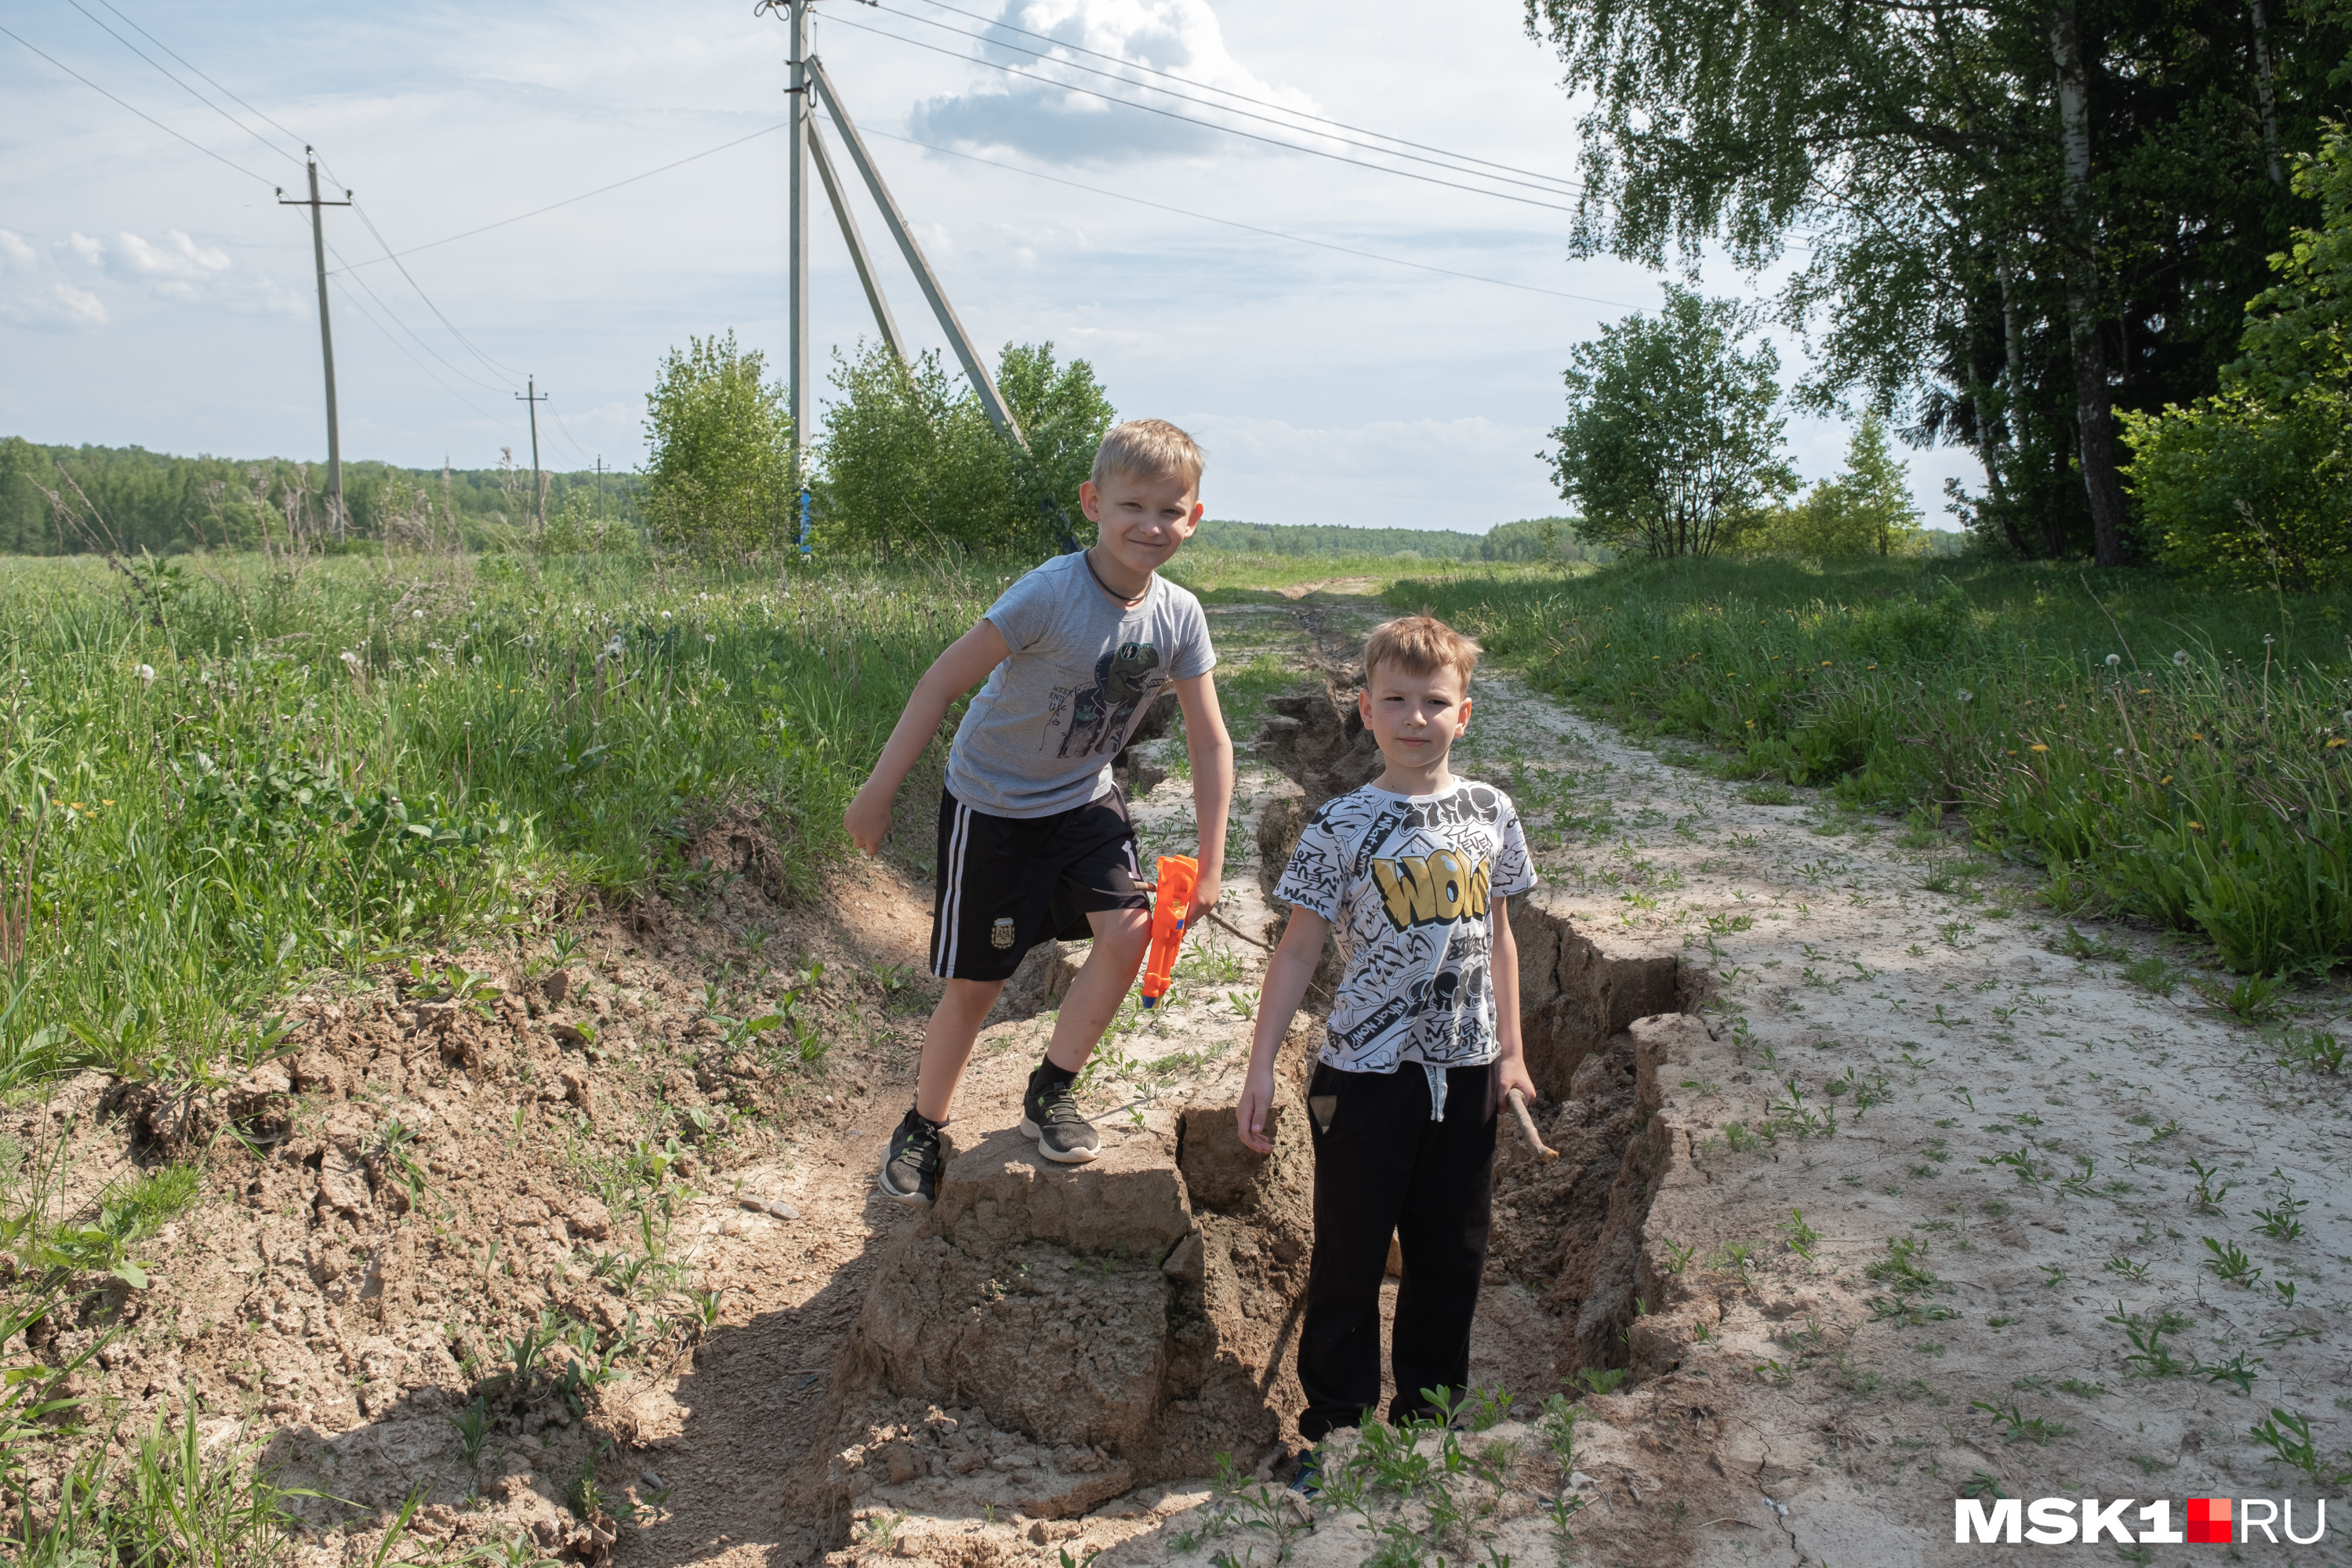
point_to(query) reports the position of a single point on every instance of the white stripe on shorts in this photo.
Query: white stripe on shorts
(943, 940)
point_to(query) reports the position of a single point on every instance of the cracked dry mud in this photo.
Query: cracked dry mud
(1907, 1162)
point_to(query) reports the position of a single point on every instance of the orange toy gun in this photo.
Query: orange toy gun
(1178, 876)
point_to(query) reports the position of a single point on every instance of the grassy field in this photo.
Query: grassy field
(2159, 749)
(216, 779)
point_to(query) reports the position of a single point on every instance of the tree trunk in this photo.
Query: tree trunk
(2263, 95)
(1989, 444)
(2094, 419)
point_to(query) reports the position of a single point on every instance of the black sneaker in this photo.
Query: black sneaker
(1049, 1114)
(910, 1165)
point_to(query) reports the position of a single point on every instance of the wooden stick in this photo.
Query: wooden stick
(1544, 1154)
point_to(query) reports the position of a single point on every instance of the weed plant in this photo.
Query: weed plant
(2157, 748)
(215, 781)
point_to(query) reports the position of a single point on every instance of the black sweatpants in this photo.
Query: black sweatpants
(1383, 1166)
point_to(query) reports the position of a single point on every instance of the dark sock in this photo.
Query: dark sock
(1048, 1076)
(934, 1126)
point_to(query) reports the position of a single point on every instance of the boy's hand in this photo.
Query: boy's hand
(1204, 898)
(1257, 1099)
(868, 818)
(1511, 1073)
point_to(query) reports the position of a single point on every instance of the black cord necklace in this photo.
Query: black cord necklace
(1087, 556)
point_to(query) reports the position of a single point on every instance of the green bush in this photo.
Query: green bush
(718, 472)
(2251, 492)
(1866, 510)
(911, 462)
(2254, 484)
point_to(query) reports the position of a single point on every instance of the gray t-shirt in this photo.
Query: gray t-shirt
(1039, 736)
(1405, 881)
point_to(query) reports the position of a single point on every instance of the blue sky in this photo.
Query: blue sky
(155, 295)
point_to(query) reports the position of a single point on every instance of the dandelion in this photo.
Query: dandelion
(416, 614)
(146, 673)
(2119, 750)
(2147, 691)
(2165, 780)
(665, 614)
(1825, 664)
(2114, 659)
(2195, 735)
(2181, 658)
(2196, 828)
(1966, 694)
(2037, 746)
(2335, 742)
(613, 649)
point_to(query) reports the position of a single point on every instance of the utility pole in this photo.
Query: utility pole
(538, 488)
(600, 487)
(326, 339)
(798, 114)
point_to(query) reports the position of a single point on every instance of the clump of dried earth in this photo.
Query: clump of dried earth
(1869, 1174)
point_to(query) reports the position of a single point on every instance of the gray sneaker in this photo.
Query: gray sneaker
(1050, 1115)
(910, 1165)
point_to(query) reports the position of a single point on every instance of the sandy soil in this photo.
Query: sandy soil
(1937, 1159)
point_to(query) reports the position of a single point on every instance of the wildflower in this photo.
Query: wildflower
(2181, 658)
(145, 672)
(2196, 828)
(665, 614)
(2194, 736)
(1966, 694)
(416, 614)
(1751, 723)
(613, 649)
(2114, 659)
(2147, 691)
(1825, 664)
(2008, 753)
(2335, 742)
(2037, 746)
(2119, 750)
(106, 803)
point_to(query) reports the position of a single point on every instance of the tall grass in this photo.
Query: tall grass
(2159, 749)
(215, 779)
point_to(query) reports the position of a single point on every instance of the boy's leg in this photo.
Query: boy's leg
(948, 1040)
(1362, 1167)
(1121, 938)
(1098, 891)
(1442, 1232)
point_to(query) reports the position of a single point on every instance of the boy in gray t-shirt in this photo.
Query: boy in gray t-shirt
(1033, 837)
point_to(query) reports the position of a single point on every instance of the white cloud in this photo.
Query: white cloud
(34, 294)
(1179, 37)
(176, 270)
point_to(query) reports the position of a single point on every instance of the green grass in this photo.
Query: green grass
(2166, 750)
(215, 779)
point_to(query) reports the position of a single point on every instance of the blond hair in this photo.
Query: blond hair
(1418, 645)
(1149, 448)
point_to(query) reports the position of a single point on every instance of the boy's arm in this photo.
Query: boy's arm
(964, 665)
(1511, 1060)
(1211, 751)
(1287, 973)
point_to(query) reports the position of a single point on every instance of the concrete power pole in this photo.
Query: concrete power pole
(798, 116)
(325, 341)
(538, 487)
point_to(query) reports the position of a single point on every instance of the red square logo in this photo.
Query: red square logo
(2209, 1520)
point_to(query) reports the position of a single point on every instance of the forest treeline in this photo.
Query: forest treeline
(128, 498)
(1530, 539)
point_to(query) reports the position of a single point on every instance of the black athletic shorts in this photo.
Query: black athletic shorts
(1007, 883)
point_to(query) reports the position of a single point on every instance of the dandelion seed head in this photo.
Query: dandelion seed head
(2181, 658)
(145, 672)
(2114, 659)
(1966, 694)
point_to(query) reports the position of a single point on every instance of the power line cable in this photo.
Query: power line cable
(1246, 97)
(1194, 119)
(617, 185)
(1547, 184)
(493, 365)
(385, 307)
(141, 114)
(216, 86)
(356, 304)
(100, 23)
(1249, 228)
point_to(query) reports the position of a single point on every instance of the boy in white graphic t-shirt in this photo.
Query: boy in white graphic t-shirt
(1412, 873)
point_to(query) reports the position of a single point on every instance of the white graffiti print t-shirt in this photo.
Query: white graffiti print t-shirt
(1407, 883)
